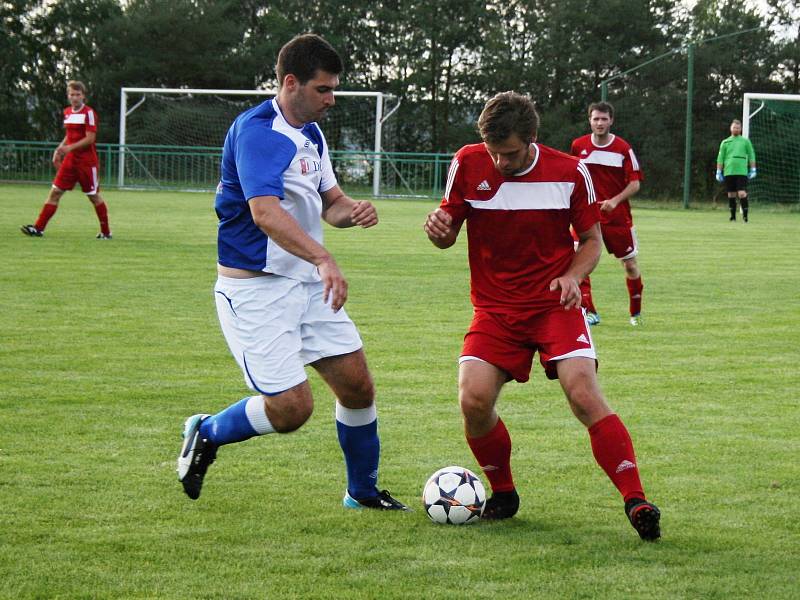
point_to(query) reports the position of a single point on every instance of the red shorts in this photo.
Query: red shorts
(620, 240)
(509, 341)
(71, 173)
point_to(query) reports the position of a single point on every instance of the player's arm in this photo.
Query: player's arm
(285, 231)
(59, 154)
(587, 255)
(628, 191)
(441, 229)
(85, 141)
(339, 210)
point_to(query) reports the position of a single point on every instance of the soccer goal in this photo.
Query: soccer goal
(772, 122)
(173, 137)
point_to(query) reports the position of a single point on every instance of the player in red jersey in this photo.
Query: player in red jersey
(519, 199)
(616, 176)
(76, 161)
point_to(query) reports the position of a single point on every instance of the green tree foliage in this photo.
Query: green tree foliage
(441, 59)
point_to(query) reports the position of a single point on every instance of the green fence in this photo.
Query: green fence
(402, 174)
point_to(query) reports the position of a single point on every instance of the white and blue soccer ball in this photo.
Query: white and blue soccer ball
(454, 495)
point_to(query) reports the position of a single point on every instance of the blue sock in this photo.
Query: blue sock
(358, 437)
(237, 423)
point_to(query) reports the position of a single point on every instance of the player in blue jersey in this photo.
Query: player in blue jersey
(279, 292)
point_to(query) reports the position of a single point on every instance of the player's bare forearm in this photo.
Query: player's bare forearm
(440, 230)
(587, 254)
(285, 231)
(628, 191)
(339, 210)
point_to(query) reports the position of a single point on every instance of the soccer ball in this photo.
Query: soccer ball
(454, 495)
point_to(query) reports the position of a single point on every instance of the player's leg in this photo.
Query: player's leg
(611, 443)
(730, 188)
(479, 385)
(592, 316)
(633, 281)
(48, 210)
(256, 316)
(90, 184)
(744, 203)
(332, 345)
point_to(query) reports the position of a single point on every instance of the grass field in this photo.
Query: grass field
(108, 346)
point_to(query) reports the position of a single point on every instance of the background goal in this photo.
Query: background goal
(772, 122)
(191, 125)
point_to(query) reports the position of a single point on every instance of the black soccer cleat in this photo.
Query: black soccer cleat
(645, 518)
(502, 505)
(383, 501)
(197, 453)
(30, 230)
(103, 236)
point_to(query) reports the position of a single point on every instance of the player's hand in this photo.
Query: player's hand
(751, 174)
(437, 224)
(364, 214)
(608, 206)
(720, 176)
(58, 157)
(570, 291)
(333, 282)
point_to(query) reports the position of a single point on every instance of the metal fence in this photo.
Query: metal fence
(402, 174)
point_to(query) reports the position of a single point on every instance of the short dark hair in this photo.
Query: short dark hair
(604, 107)
(73, 84)
(304, 55)
(508, 113)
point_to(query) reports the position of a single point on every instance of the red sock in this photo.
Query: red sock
(586, 295)
(635, 287)
(493, 453)
(102, 216)
(48, 210)
(613, 451)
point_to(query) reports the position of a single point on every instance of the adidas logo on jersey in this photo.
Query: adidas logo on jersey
(584, 153)
(582, 338)
(484, 186)
(625, 465)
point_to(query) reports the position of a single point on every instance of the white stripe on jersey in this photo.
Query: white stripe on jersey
(607, 159)
(90, 116)
(534, 195)
(634, 162)
(451, 176)
(76, 119)
(583, 170)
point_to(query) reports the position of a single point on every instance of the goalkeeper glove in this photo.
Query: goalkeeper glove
(720, 178)
(751, 174)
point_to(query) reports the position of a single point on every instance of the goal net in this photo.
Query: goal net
(173, 137)
(772, 122)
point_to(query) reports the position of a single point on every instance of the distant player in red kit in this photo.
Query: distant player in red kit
(616, 176)
(518, 199)
(76, 161)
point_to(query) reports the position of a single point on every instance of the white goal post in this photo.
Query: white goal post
(772, 123)
(749, 97)
(126, 93)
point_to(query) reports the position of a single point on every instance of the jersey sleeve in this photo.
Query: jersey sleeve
(633, 171)
(328, 179)
(721, 153)
(453, 202)
(751, 153)
(584, 212)
(91, 120)
(573, 148)
(262, 156)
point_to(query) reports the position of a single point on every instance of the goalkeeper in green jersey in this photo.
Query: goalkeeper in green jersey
(736, 163)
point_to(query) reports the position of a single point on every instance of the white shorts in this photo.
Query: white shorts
(275, 326)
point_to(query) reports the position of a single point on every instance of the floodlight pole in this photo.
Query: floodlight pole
(687, 160)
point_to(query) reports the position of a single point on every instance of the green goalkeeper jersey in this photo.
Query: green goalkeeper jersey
(735, 155)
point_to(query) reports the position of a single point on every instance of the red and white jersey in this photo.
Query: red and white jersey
(613, 167)
(518, 227)
(77, 123)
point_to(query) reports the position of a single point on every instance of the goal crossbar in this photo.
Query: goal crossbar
(750, 96)
(124, 112)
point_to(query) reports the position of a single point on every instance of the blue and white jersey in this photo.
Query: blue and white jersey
(265, 156)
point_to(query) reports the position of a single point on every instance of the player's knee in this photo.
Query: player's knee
(289, 417)
(357, 394)
(475, 406)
